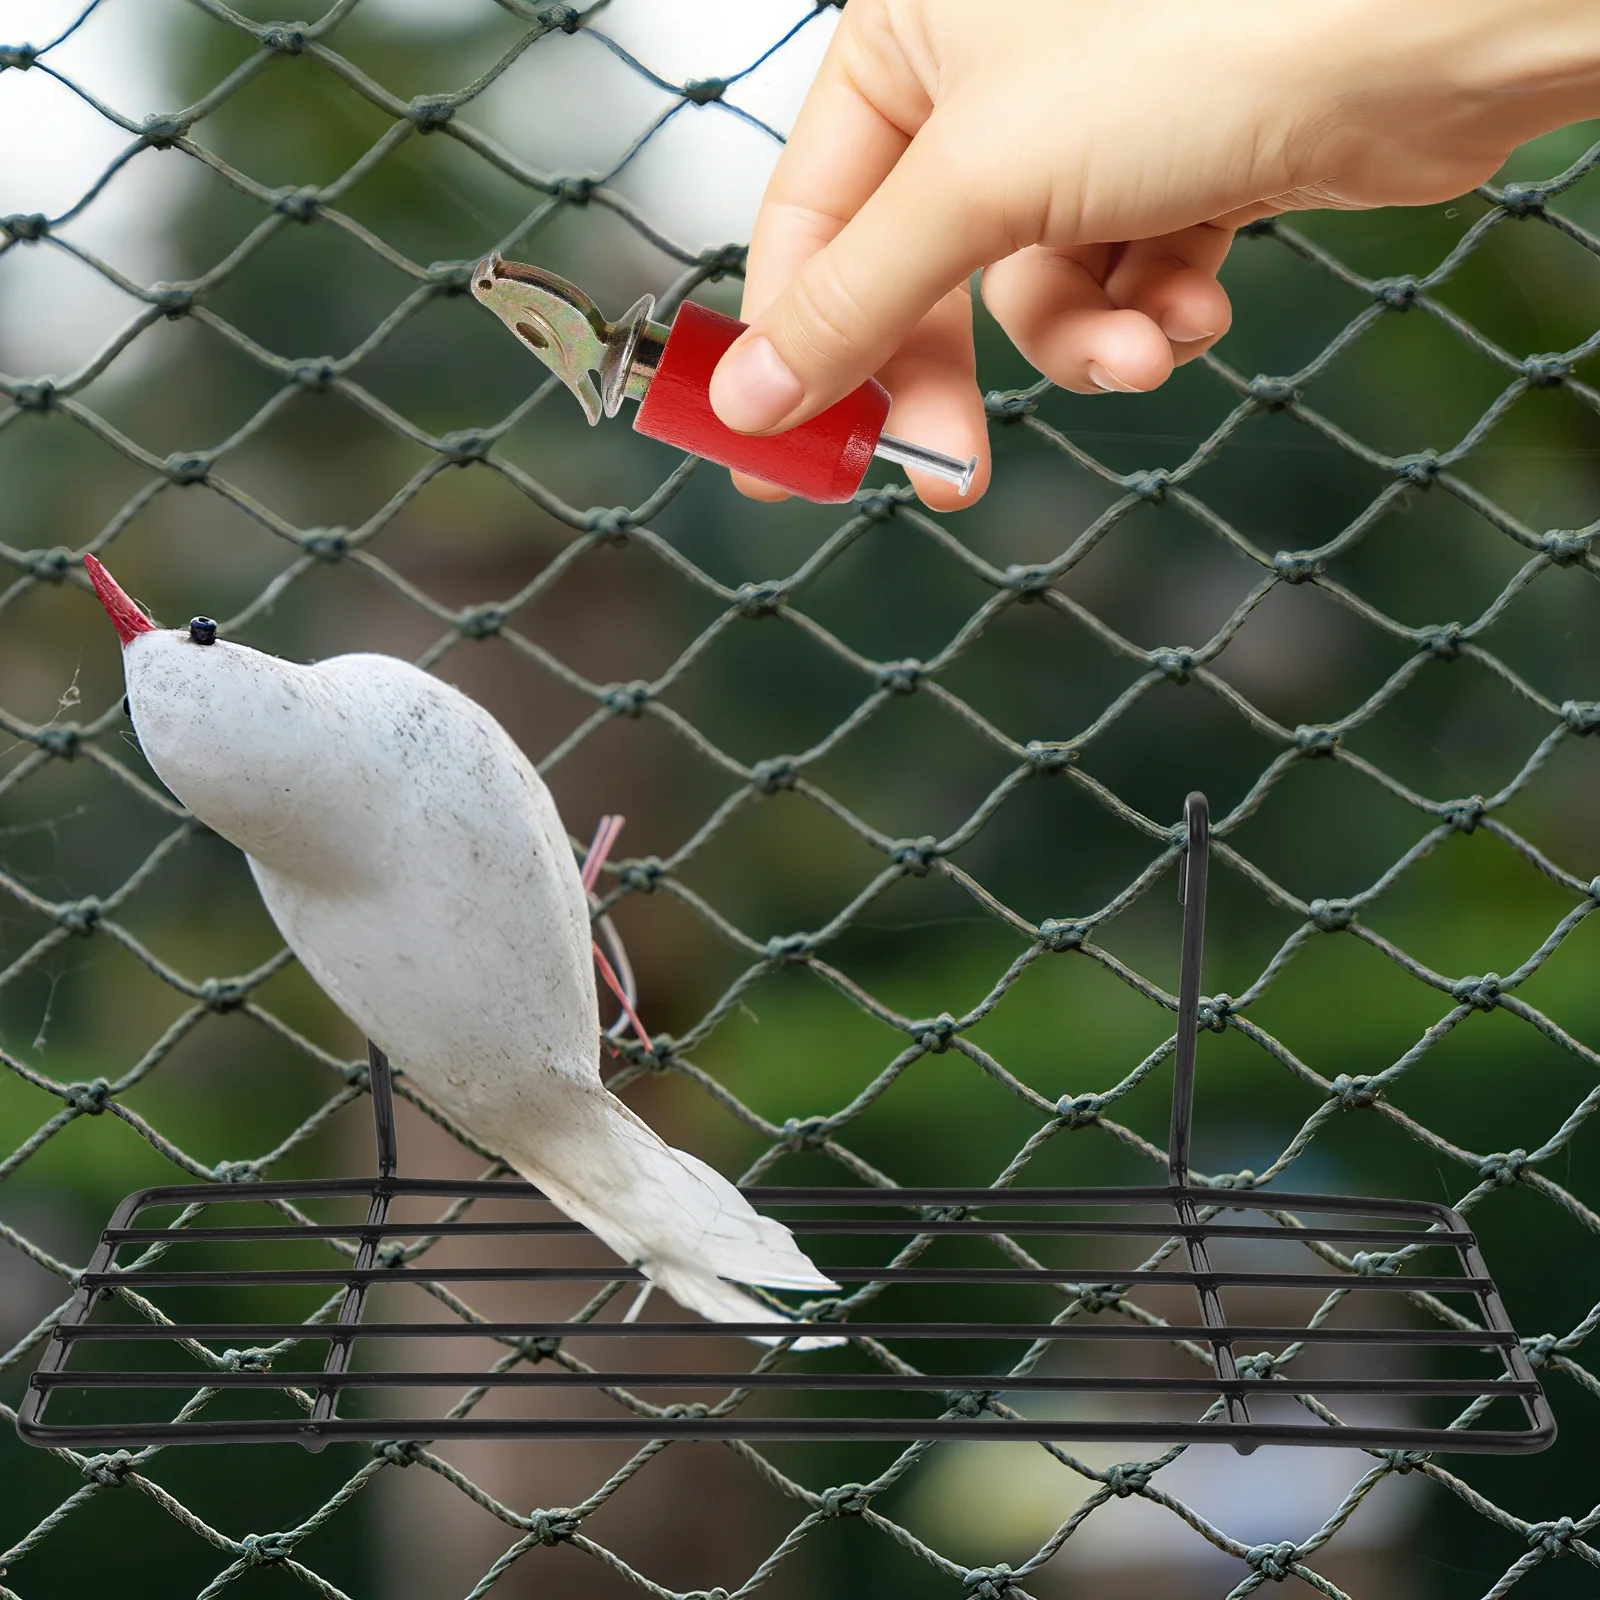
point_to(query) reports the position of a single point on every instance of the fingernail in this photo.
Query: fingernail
(1180, 330)
(1109, 381)
(753, 390)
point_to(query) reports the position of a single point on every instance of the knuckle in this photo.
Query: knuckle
(825, 322)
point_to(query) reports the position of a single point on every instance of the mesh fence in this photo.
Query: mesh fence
(1538, 1187)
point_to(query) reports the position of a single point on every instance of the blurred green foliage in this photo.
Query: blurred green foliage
(794, 1047)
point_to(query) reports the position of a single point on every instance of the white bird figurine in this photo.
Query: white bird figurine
(414, 861)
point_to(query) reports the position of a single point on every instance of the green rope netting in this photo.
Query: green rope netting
(54, 925)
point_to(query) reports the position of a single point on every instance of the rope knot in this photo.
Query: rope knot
(1027, 581)
(245, 1361)
(663, 1051)
(1244, 1178)
(540, 1349)
(88, 1100)
(236, 1172)
(773, 774)
(392, 1255)
(398, 1452)
(1128, 1477)
(39, 395)
(1009, 405)
(79, 916)
(1539, 1350)
(288, 38)
(643, 875)
(327, 544)
(686, 1413)
(1404, 1461)
(25, 227)
(1418, 470)
(1150, 486)
(1397, 294)
(551, 1527)
(628, 699)
(466, 444)
(1049, 755)
(612, 523)
(575, 191)
(316, 373)
(173, 300)
(159, 132)
(262, 1549)
(1080, 1110)
(915, 856)
(1465, 815)
(1176, 664)
(223, 994)
(1522, 199)
(935, 1034)
(1503, 1170)
(759, 599)
(60, 739)
(1581, 716)
(969, 1402)
(1213, 1013)
(1100, 1296)
(846, 1500)
(1260, 1366)
(563, 17)
(1375, 1263)
(788, 946)
(18, 56)
(1330, 916)
(299, 205)
(1443, 641)
(186, 469)
(1273, 1560)
(1564, 548)
(453, 277)
(1353, 1093)
(480, 621)
(901, 677)
(718, 261)
(1548, 371)
(1056, 934)
(703, 91)
(1313, 741)
(53, 565)
(1273, 393)
(1552, 1538)
(989, 1583)
(1482, 994)
(108, 1471)
(880, 505)
(1293, 567)
(430, 111)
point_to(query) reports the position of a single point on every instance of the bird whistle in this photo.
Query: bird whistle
(667, 369)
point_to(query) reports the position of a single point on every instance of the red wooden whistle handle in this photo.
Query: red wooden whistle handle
(824, 459)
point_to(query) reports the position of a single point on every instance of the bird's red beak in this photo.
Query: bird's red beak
(126, 617)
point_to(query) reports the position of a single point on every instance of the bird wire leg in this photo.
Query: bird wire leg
(632, 1314)
(604, 838)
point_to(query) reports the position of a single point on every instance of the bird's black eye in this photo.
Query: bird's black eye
(127, 710)
(202, 630)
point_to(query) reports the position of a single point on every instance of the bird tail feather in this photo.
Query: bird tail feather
(688, 1227)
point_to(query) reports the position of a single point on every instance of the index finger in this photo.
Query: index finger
(840, 149)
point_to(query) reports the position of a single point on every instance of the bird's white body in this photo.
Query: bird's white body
(415, 863)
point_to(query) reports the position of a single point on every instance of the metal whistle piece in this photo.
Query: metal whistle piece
(824, 459)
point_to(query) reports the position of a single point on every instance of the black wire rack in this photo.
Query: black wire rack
(1357, 1329)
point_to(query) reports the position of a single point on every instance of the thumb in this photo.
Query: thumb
(851, 305)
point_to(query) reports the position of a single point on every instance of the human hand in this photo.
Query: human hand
(1094, 160)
